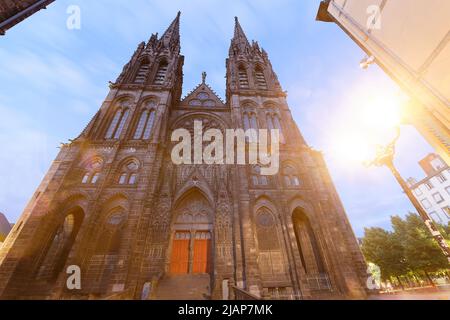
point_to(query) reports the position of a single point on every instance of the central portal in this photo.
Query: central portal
(192, 236)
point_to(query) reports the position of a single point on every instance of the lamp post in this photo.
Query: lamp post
(385, 157)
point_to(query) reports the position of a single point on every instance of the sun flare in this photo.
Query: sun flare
(365, 122)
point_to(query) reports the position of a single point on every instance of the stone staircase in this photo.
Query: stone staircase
(183, 287)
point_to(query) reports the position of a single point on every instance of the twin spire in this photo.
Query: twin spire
(172, 34)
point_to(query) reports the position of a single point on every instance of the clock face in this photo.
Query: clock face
(202, 96)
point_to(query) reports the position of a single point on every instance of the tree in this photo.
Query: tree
(382, 248)
(421, 251)
(410, 248)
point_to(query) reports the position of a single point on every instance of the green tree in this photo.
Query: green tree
(421, 251)
(382, 248)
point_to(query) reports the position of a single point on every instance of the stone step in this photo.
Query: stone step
(183, 287)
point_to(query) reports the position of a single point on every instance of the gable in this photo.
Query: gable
(202, 97)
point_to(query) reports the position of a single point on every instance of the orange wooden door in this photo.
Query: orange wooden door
(179, 263)
(202, 244)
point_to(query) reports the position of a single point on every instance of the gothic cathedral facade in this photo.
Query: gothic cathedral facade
(115, 205)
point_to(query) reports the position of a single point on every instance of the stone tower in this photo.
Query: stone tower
(138, 225)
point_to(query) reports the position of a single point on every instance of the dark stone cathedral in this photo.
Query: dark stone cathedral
(139, 226)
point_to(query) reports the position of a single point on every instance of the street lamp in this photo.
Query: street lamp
(385, 157)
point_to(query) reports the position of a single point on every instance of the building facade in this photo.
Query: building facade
(410, 41)
(433, 191)
(140, 226)
(12, 11)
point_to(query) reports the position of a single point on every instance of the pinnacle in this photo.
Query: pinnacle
(173, 31)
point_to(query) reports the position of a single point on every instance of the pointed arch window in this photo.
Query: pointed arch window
(257, 178)
(307, 243)
(246, 121)
(253, 121)
(128, 173)
(142, 72)
(260, 78)
(271, 259)
(243, 77)
(145, 124)
(269, 121)
(273, 122)
(95, 178)
(290, 177)
(117, 124)
(250, 122)
(92, 172)
(161, 73)
(59, 246)
(111, 233)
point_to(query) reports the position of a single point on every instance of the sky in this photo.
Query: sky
(53, 79)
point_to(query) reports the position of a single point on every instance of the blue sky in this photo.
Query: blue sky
(54, 79)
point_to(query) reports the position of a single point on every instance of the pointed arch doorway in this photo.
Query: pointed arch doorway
(192, 235)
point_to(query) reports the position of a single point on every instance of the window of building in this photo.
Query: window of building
(250, 122)
(122, 178)
(260, 180)
(132, 179)
(129, 173)
(95, 178)
(441, 178)
(429, 185)
(145, 124)
(426, 204)
(446, 211)
(290, 176)
(257, 178)
(85, 178)
(260, 78)
(92, 173)
(263, 180)
(111, 233)
(270, 251)
(277, 123)
(117, 124)
(161, 73)
(287, 181)
(417, 191)
(438, 197)
(243, 77)
(141, 75)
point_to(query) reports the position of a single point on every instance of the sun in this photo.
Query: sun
(365, 122)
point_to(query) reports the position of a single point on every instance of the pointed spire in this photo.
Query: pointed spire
(239, 36)
(173, 31)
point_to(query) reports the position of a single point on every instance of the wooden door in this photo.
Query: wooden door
(202, 245)
(179, 263)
